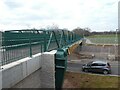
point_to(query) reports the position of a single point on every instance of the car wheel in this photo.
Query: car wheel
(105, 72)
(85, 70)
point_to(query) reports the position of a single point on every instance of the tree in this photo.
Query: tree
(53, 26)
(82, 31)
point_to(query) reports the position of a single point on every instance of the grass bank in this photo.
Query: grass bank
(78, 80)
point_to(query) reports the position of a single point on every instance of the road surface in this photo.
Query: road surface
(77, 67)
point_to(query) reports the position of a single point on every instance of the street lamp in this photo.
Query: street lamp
(116, 39)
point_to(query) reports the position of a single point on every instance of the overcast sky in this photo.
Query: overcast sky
(98, 15)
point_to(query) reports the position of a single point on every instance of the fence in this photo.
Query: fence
(18, 44)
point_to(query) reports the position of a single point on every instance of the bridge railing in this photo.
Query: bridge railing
(18, 44)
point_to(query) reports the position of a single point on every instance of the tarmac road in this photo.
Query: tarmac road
(76, 66)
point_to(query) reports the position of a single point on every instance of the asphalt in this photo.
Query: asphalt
(76, 66)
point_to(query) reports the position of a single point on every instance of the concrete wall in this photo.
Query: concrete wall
(73, 47)
(15, 72)
(35, 72)
(47, 75)
(100, 49)
(43, 77)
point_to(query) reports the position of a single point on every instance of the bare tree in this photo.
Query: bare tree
(53, 26)
(82, 31)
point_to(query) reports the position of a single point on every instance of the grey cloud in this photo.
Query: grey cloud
(12, 4)
(110, 3)
(25, 18)
(43, 12)
(35, 17)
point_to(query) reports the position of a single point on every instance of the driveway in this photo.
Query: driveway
(76, 66)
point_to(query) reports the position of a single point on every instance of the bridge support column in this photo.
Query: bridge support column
(60, 66)
(47, 75)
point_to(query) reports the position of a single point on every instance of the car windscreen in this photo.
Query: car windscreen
(89, 63)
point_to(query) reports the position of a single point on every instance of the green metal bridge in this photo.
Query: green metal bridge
(18, 44)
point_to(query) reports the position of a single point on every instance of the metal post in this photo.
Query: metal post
(41, 48)
(30, 45)
(45, 41)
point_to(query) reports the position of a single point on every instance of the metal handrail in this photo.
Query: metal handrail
(18, 44)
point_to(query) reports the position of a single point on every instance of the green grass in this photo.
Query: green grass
(105, 36)
(104, 39)
(78, 80)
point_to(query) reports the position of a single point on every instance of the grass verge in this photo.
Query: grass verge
(104, 39)
(78, 80)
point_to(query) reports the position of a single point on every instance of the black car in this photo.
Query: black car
(97, 66)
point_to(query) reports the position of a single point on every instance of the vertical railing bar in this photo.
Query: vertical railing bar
(45, 41)
(2, 48)
(6, 54)
(41, 48)
(30, 53)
